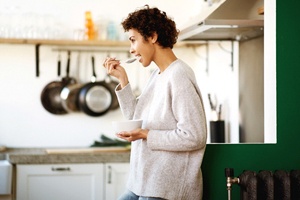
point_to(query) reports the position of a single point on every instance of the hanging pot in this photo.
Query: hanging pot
(95, 98)
(112, 84)
(69, 94)
(50, 96)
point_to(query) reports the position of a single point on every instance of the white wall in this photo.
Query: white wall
(23, 120)
(25, 123)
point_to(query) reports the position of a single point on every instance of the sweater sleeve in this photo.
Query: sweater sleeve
(127, 101)
(188, 111)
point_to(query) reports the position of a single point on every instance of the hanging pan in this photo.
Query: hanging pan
(69, 93)
(112, 84)
(50, 96)
(95, 98)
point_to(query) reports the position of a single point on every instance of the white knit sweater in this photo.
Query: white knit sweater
(167, 164)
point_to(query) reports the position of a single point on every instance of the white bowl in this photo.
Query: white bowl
(127, 125)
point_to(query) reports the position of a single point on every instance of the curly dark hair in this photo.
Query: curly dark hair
(148, 21)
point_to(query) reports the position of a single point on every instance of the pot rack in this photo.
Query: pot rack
(84, 46)
(108, 50)
(85, 50)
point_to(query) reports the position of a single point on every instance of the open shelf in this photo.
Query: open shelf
(88, 43)
(65, 42)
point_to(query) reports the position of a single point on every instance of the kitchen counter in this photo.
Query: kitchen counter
(42, 156)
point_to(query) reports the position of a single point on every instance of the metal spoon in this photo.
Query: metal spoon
(128, 61)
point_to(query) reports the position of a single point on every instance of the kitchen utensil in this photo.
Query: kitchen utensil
(112, 84)
(213, 105)
(95, 98)
(69, 95)
(50, 96)
(128, 61)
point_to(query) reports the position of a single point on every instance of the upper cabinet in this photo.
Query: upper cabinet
(226, 20)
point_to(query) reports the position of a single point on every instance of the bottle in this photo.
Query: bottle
(112, 31)
(101, 28)
(90, 32)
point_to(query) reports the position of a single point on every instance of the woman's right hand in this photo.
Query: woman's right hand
(114, 68)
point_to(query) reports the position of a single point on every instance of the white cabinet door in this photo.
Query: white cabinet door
(60, 182)
(116, 175)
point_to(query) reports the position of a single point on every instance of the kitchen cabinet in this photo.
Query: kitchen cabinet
(71, 181)
(60, 182)
(116, 179)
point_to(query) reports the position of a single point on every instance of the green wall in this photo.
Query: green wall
(285, 154)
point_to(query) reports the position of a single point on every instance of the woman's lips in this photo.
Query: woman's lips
(138, 58)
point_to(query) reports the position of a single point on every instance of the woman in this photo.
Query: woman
(167, 151)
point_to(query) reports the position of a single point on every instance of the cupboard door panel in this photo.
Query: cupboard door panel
(116, 175)
(60, 182)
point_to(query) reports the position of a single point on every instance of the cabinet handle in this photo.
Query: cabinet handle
(61, 169)
(109, 175)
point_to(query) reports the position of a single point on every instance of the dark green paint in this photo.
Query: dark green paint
(285, 154)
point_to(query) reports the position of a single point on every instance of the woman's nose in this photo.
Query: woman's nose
(131, 50)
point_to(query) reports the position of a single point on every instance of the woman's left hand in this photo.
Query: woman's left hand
(133, 135)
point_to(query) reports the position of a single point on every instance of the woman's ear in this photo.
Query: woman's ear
(153, 38)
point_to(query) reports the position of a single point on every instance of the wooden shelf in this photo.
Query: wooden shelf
(87, 43)
(65, 42)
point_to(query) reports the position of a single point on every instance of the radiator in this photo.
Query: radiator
(265, 185)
